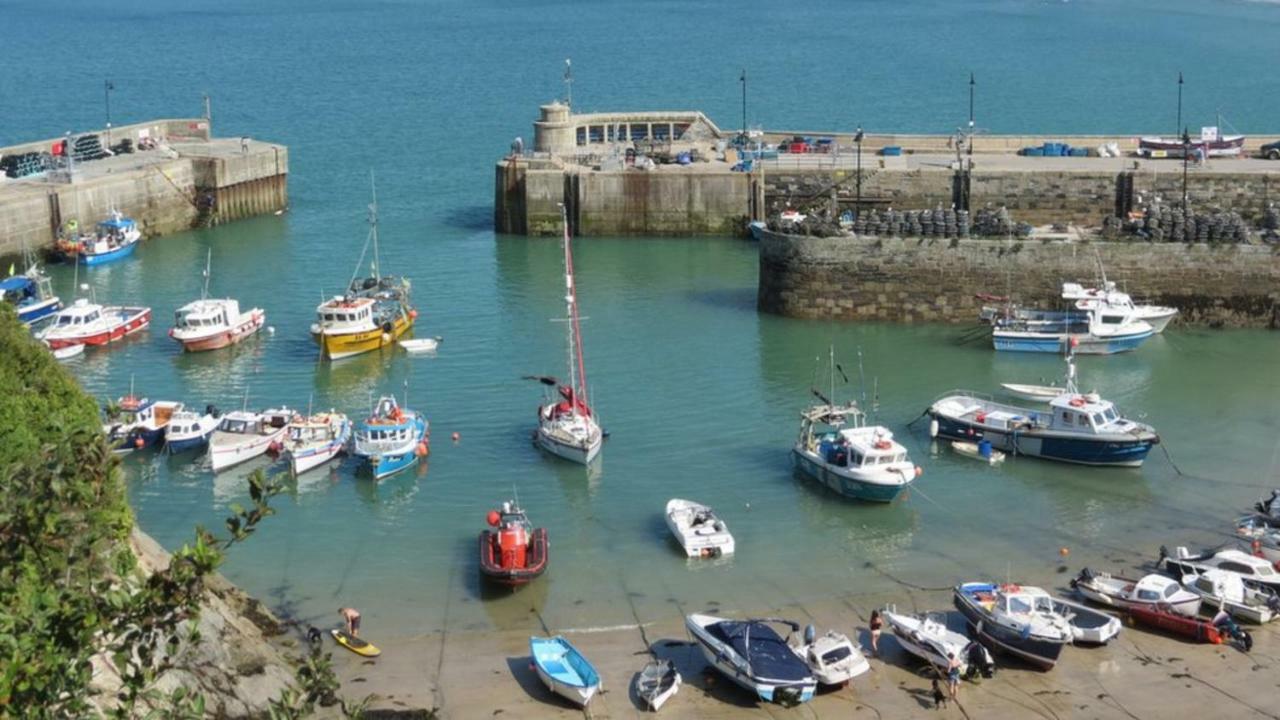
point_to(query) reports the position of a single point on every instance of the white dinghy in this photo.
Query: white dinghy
(421, 346)
(657, 682)
(981, 451)
(698, 530)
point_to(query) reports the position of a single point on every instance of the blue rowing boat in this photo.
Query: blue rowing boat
(564, 670)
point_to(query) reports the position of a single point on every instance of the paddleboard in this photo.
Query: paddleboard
(355, 644)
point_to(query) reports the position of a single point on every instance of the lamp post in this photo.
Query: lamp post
(857, 139)
(1186, 152)
(1180, 100)
(107, 87)
(743, 79)
(970, 142)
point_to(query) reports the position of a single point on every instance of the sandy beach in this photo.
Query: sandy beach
(1139, 675)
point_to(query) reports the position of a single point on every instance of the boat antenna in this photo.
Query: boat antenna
(831, 350)
(862, 379)
(208, 262)
(310, 399)
(371, 237)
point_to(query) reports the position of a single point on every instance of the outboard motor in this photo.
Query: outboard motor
(810, 634)
(1231, 629)
(980, 661)
(212, 410)
(1264, 507)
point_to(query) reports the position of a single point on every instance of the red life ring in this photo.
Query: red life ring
(1077, 401)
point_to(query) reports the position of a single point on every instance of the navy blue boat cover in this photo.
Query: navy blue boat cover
(769, 655)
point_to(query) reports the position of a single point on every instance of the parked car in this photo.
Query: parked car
(1271, 151)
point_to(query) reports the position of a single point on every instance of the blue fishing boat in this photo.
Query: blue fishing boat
(564, 670)
(134, 423)
(1077, 428)
(391, 438)
(31, 295)
(1102, 331)
(113, 239)
(190, 430)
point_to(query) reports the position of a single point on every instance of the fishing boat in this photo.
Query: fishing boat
(981, 450)
(657, 682)
(1226, 590)
(243, 435)
(213, 323)
(113, 239)
(1263, 534)
(513, 553)
(391, 438)
(30, 294)
(564, 670)
(1212, 143)
(135, 423)
(567, 425)
(189, 430)
(841, 451)
(372, 314)
(1108, 296)
(88, 323)
(1190, 627)
(1084, 429)
(754, 656)
(1254, 571)
(1125, 593)
(312, 441)
(1102, 332)
(1022, 623)
(928, 638)
(832, 658)
(698, 530)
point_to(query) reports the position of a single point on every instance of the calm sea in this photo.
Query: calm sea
(700, 392)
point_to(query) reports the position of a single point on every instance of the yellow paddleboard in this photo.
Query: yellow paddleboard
(355, 644)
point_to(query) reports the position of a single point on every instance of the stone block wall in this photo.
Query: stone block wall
(916, 280)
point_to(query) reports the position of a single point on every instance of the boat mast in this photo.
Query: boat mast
(373, 226)
(208, 262)
(577, 369)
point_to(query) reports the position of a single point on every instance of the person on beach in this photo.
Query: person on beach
(352, 617)
(953, 676)
(875, 624)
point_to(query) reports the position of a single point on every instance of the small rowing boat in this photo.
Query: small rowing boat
(564, 670)
(657, 682)
(980, 450)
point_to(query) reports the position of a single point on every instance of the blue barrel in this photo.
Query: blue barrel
(891, 150)
(984, 448)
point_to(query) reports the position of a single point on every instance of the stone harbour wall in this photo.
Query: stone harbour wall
(936, 280)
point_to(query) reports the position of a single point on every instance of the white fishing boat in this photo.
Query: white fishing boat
(567, 426)
(1226, 590)
(657, 682)
(315, 440)
(1151, 591)
(698, 530)
(88, 323)
(1157, 316)
(928, 638)
(981, 450)
(243, 435)
(752, 654)
(213, 323)
(1020, 622)
(841, 451)
(1255, 571)
(832, 658)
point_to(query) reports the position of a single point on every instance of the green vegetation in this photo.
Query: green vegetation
(69, 584)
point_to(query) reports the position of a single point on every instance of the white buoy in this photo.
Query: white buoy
(933, 428)
(271, 329)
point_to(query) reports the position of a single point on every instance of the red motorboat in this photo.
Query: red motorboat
(515, 553)
(88, 323)
(1193, 628)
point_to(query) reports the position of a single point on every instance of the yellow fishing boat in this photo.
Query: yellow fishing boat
(374, 311)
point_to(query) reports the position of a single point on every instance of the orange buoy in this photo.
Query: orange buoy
(422, 450)
(493, 518)
(1064, 551)
(413, 314)
(919, 471)
(457, 436)
(139, 442)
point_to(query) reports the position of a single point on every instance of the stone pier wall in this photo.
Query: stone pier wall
(915, 280)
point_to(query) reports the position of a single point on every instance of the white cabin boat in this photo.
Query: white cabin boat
(243, 435)
(1157, 316)
(214, 323)
(1151, 591)
(1226, 590)
(88, 323)
(189, 430)
(1255, 571)
(313, 441)
(860, 461)
(832, 658)
(700, 533)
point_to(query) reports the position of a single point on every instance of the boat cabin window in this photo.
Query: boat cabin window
(235, 426)
(855, 458)
(1237, 567)
(1204, 584)
(1112, 319)
(1018, 605)
(328, 317)
(1144, 594)
(1066, 417)
(1170, 591)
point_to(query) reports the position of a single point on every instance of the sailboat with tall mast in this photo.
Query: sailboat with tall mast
(210, 324)
(373, 312)
(567, 426)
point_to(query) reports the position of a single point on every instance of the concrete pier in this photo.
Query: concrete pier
(588, 162)
(190, 179)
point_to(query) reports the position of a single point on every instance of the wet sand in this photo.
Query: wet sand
(1139, 675)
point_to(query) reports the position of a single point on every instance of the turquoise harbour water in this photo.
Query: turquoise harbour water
(700, 393)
